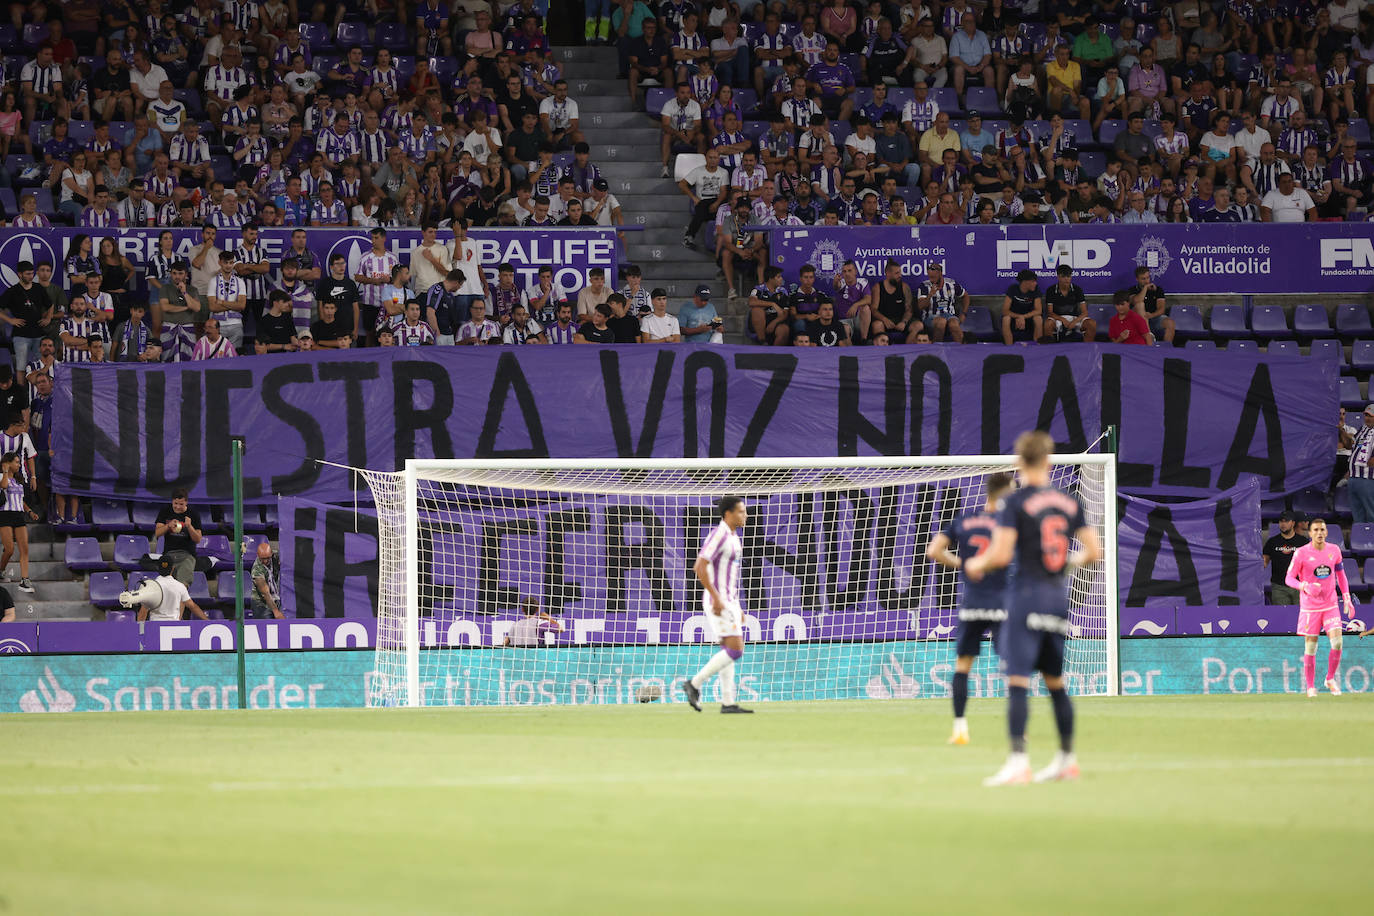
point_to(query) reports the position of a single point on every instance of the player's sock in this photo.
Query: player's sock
(1309, 671)
(727, 685)
(1018, 711)
(1063, 718)
(717, 662)
(960, 689)
(1333, 663)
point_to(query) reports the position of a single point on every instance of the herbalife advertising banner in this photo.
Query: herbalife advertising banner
(1215, 258)
(540, 677)
(570, 252)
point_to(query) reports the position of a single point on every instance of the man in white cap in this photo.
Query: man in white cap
(1361, 474)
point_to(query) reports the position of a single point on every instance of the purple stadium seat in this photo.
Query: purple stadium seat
(1312, 321)
(120, 615)
(200, 589)
(1094, 163)
(254, 540)
(191, 99)
(1342, 501)
(316, 34)
(81, 131)
(978, 323)
(1310, 502)
(394, 37)
(9, 38)
(224, 587)
(217, 546)
(1284, 348)
(145, 515)
(109, 516)
(1202, 345)
(1362, 539)
(35, 33)
(137, 578)
(105, 589)
(80, 526)
(444, 69)
(129, 549)
(405, 68)
(1102, 314)
(1352, 320)
(7, 198)
(269, 518)
(748, 99)
(1228, 321)
(1187, 322)
(1352, 572)
(1328, 349)
(655, 99)
(983, 99)
(1242, 346)
(83, 555)
(947, 99)
(1106, 134)
(252, 519)
(1350, 392)
(1368, 577)
(1269, 321)
(1362, 356)
(351, 33)
(1335, 535)
(1359, 129)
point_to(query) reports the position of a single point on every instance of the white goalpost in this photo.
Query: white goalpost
(542, 582)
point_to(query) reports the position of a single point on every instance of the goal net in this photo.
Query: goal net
(570, 582)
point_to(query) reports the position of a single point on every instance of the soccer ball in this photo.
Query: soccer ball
(649, 692)
(175, 526)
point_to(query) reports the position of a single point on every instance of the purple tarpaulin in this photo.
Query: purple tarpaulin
(1163, 620)
(1226, 258)
(1202, 552)
(1190, 423)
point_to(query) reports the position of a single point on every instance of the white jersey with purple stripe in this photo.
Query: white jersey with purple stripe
(722, 550)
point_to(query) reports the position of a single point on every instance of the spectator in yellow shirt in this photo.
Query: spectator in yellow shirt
(1065, 79)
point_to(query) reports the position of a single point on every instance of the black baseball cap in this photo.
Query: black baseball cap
(704, 291)
(1288, 515)
(601, 184)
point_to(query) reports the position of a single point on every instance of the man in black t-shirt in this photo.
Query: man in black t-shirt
(825, 331)
(338, 287)
(1149, 300)
(623, 325)
(1022, 309)
(179, 528)
(1278, 553)
(28, 310)
(14, 397)
(597, 331)
(1066, 317)
(276, 328)
(329, 332)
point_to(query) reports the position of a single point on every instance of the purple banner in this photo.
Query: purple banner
(1233, 620)
(1190, 423)
(571, 252)
(328, 559)
(1226, 258)
(1199, 553)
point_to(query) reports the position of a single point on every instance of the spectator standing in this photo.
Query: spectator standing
(265, 600)
(40, 432)
(229, 299)
(25, 307)
(374, 273)
(1278, 553)
(1361, 485)
(14, 519)
(179, 527)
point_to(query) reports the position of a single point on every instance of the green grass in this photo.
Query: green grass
(1202, 804)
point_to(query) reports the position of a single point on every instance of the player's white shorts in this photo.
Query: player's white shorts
(728, 623)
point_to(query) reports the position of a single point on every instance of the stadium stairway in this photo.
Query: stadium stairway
(58, 593)
(625, 146)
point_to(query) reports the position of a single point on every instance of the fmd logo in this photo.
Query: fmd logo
(32, 248)
(1356, 253)
(1043, 254)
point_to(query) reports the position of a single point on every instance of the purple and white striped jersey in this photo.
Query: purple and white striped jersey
(559, 334)
(722, 550)
(375, 267)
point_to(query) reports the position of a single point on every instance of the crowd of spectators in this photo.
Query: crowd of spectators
(1188, 111)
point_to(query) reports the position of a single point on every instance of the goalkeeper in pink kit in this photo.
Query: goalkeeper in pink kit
(1315, 572)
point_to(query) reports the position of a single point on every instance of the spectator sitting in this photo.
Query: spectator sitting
(522, 329)
(623, 325)
(1127, 326)
(213, 345)
(1066, 307)
(659, 326)
(411, 331)
(596, 329)
(694, 319)
(1149, 301)
(329, 332)
(180, 528)
(595, 293)
(1023, 309)
(768, 316)
(478, 329)
(825, 330)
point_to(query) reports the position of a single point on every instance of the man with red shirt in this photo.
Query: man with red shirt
(1127, 326)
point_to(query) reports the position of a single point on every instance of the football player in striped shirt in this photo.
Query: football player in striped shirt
(717, 568)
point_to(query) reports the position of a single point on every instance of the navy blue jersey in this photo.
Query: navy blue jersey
(1045, 520)
(970, 535)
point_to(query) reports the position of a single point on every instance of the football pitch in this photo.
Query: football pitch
(1193, 804)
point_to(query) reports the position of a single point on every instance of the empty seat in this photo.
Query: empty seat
(1228, 321)
(947, 99)
(1312, 321)
(1342, 500)
(978, 323)
(253, 519)
(1335, 535)
(351, 33)
(1284, 348)
(83, 555)
(1310, 502)
(35, 33)
(1093, 163)
(982, 99)
(1331, 349)
(200, 589)
(1102, 314)
(217, 546)
(224, 587)
(1187, 322)
(316, 34)
(1269, 321)
(119, 615)
(1242, 346)
(145, 515)
(1362, 538)
(105, 588)
(110, 516)
(394, 37)
(1202, 345)
(1362, 355)
(1352, 320)
(1352, 572)
(1350, 392)
(138, 576)
(129, 550)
